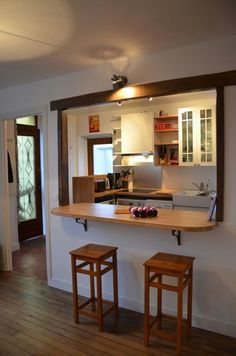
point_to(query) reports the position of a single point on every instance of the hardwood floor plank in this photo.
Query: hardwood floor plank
(21, 346)
(11, 349)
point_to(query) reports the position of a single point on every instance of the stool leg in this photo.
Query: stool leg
(115, 284)
(189, 308)
(159, 303)
(92, 290)
(179, 315)
(99, 296)
(75, 289)
(146, 307)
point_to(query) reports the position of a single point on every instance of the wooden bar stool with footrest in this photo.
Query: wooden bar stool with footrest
(94, 255)
(180, 267)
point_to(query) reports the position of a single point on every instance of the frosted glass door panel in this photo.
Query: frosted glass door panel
(26, 176)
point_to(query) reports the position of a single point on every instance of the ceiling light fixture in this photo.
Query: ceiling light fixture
(150, 98)
(119, 103)
(119, 81)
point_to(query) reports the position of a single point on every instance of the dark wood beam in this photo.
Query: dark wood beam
(63, 171)
(166, 87)
(220, 152)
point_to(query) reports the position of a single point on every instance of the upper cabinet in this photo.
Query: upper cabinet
(137, 133)
(197, 136)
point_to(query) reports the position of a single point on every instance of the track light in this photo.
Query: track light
(119, 81)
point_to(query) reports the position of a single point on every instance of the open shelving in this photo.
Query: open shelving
(166, 140)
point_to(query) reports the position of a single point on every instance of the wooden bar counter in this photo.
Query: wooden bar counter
(167, 219)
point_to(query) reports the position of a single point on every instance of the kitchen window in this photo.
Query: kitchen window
(99, 155)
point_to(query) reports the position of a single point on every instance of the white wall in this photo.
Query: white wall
(214, 294)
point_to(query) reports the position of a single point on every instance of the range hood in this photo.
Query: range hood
(137, 134)
(136, 159)
(150, 153)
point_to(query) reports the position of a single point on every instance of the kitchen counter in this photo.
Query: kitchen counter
(106, 193)
(167, 219)
(159, 193)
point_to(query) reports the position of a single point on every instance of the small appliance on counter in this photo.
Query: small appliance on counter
(114, 179)
(99, 185)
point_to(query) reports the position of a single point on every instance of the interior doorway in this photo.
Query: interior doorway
(30, 258)
(37, 249)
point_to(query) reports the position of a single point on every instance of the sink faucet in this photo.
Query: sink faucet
(200, 187)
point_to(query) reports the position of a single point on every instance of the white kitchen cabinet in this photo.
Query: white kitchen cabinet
(137, 133)
(197, 136)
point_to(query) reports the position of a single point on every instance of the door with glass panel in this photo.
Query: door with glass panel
(206, 140)
(187, 132)
(29, 182)
(197, 136)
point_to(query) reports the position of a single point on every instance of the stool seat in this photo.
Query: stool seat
(169, 262)
(94, 257)
(170, 265)
(93, 252)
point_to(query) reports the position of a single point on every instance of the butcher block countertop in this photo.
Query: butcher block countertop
(158, 193)
(167, 219)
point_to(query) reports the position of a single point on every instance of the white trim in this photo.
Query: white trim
(198, 321)
(15, 247)
(5, 238)
(4, 228)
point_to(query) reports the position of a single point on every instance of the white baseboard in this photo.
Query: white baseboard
(15, 247)
(2, 266)
(198, 321)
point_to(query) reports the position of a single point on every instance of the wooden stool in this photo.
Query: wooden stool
(96, 255)
(181, 267)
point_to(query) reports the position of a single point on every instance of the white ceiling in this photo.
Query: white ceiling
(46, 38)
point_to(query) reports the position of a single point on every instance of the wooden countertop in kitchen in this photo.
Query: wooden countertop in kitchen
(106, 193)
(158, 193)
(167, 219)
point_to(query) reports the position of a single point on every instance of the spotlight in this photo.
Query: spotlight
(150, 98)
(119, 103)
(119, 81)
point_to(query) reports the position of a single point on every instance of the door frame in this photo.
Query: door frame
(90, 143)
(6, 252)
(25, 227)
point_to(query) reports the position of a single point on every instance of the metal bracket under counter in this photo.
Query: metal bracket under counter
(175, 233)
(84, 223)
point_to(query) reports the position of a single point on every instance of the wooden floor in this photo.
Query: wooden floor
(30, 260)
(37, 320)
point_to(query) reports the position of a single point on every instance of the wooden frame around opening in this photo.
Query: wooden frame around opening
(215, 81)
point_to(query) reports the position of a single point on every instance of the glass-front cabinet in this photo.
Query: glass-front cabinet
(197, 136)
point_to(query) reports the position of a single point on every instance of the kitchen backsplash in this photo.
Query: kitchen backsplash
(179, 178)
(183, 177)
(146, 177)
